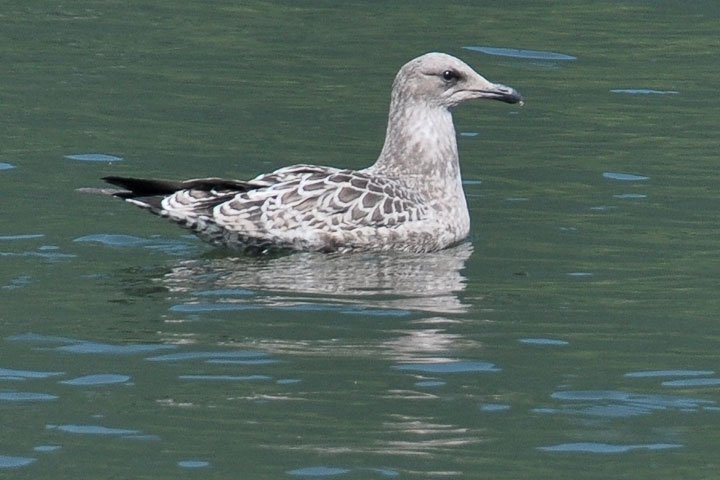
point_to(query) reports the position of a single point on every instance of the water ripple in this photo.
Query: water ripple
(643, 91)
(98, 379)
(668, 373)
(17, 282)
(619, 404)
(41, 254)
(550, 342)
(225, 378)
(322, 472)
(212, 307)
(300, 307)
(169, 247)
(193, 464)
(47, 448)
(94, 430)
(93, 157)
(252, 361)
(38, 338)
(225, 292)
(8, 461)
(625, 177)
(318, 471)
(630, 195)
(448, 367)
(224, 355)
(593, 447)
(27, 236)
(109, 349)
(11, 374)
(494, 407)
(430, 383)
(525, 54)
(692, 382)
(26, 397)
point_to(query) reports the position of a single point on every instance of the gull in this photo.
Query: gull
(411, 199)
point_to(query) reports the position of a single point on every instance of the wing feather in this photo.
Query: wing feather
(299, 206)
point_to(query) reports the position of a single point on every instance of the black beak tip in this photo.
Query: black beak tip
(512, 96)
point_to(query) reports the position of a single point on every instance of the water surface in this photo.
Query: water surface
(575, 335)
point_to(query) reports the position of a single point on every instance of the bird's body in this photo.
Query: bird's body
(411, 199)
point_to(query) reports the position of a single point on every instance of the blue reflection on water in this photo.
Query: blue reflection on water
(526, 54)
(301, 307)
(212, 307)
(109, 349)
(8, 461)
(202, 355)
(98, 379)
(345, 310)
(494, 407)
(385, 472)
(72, 345)
(323, 471)
(193, 464)
(170, 247)
(226, 378)
(619, 404)
(643, 91)
(430, 383)
(114, 240)
(669, 373)
(318, 471)
(550, 342)
(448, 367)
(630, 195)
(692, 382)
(288, 381)
(660, 400)
(625, 177)
(593, 447)
(41, 254)
(225, 292)
(93, 157)
(38, 338)
(47, 448)
(17, 282)
(93, 430)
(260, 361)
(27, 236)
(26, 397)
(102, 431)
(11, 374)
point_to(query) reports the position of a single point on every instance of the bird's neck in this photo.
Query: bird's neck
(420, 147)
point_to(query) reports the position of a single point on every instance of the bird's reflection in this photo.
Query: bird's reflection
(424, 282)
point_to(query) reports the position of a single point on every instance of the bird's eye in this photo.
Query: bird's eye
(449, 75)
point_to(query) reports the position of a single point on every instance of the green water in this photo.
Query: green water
(574, 336)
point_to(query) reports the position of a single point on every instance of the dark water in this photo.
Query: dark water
(575, 335)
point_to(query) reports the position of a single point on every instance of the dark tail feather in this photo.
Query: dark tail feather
(149, 193)
(140, 187)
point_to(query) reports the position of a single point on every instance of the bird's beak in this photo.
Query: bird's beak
(483, 88)
(501, 92)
